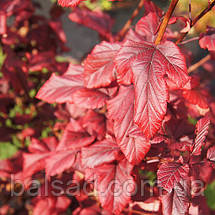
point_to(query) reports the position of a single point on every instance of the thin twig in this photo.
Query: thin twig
(190, 11)
(127, 25)
(165, 21)
(189, 40)
(199, 63)
(205, 11)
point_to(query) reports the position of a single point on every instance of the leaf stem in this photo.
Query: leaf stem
(206, 10)
(165, 21)
(127, 25)
(199, 63)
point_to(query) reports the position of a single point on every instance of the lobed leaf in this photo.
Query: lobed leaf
(149, 64)
(70, 88)
(169, 174)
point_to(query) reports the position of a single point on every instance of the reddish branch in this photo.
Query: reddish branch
(165, 21)
(129, 22)
(205, 11)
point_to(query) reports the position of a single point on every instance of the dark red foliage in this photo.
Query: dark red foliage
(126, 131)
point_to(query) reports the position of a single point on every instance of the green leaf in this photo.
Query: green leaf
(210, 195)
(45, 132)
(2, 57)
(7, 150)
(32, 93)
(191, 120)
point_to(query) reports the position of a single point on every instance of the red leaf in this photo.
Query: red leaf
(3, 23)
(151, 97)
(95, 124)
(211, 153)
(40, 151)
(46, 145)
(69, 3)
(69, 88)
(72, 139)
(149, 6)
(51, 205)
(114, 185)
(136, 146)
(96, 20)
(201, 133)
(60, 88)
(45, 207)
(130, 139)
(42, 60)
(67, 153)
(149, 64)
(169, 174)
(207, 40)
(6, 168)
(58, 28)
(86, 98)
(147, 26)
(196, 95)
(101, 152)
(99, 70)
(61, 161)
(177, 202)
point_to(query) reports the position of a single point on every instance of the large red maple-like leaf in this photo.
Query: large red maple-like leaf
(99, 69)
(169, 174)
(129, 137)
(201, 132)
(114, 185)
(149, 64)
(177, 201)
(70, 88)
